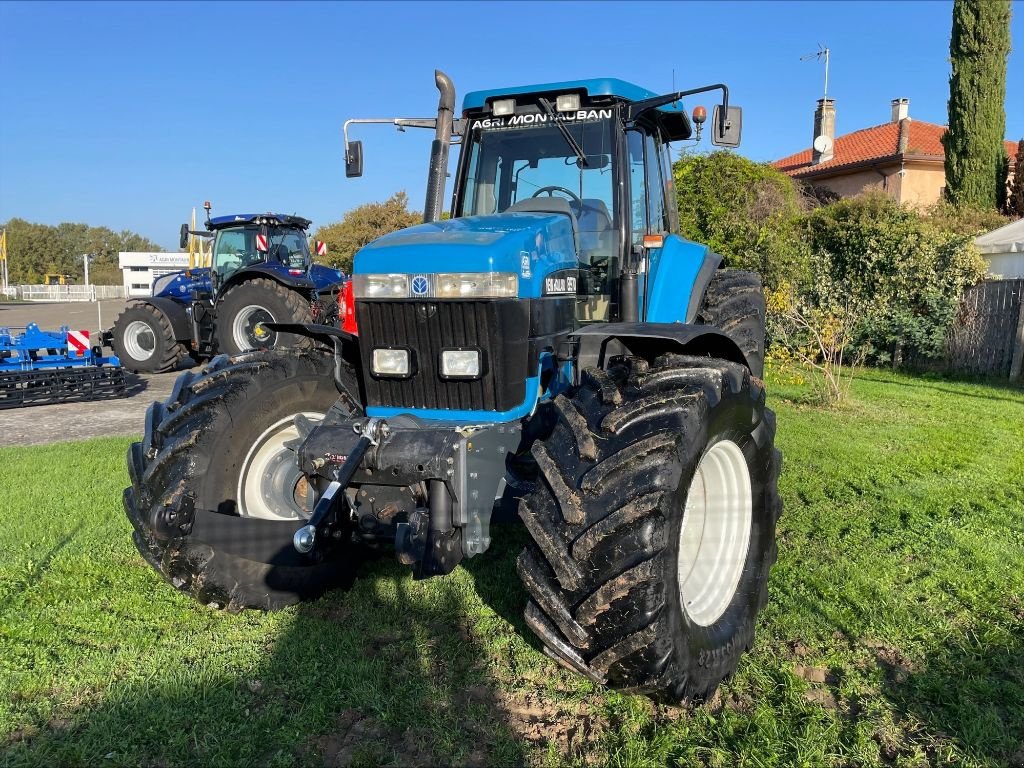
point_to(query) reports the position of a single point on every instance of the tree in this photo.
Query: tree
(364, 224)
(1015, 199)
(976, 161)
(747, 212)
(37, 249)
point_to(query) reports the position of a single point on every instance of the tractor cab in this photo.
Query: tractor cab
(246, 240)
(579, 149)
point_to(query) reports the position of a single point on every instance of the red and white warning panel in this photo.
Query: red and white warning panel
(321, 248)
(78, 342)
(261, 242)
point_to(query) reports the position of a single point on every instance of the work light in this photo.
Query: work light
(503, 107)
(460, 363)
(391, 362)
(568, 102)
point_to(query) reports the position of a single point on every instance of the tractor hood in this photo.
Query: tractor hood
(530, 245)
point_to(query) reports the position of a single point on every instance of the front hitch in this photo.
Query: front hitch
(326, 509)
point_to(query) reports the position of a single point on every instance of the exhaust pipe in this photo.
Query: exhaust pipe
(439, 149)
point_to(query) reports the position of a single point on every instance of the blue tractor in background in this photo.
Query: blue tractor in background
(261, 272)
(554, 347)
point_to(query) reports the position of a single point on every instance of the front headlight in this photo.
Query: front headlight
(475, 285)
(380, 286)
(442, 285)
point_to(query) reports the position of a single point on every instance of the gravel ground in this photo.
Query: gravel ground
(40, 424)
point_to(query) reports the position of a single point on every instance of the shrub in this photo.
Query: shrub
(903, 274)
(749, 213)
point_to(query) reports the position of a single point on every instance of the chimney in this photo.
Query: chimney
(900, 110)
(824, 125)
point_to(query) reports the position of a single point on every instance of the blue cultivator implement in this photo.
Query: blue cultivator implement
(39, 367)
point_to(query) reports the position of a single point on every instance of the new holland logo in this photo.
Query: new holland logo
(420, 286)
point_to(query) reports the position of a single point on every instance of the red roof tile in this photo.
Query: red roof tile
(876, 143)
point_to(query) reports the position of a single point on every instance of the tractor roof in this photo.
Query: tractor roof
(238, 219)
(672, 118)
(601, 86)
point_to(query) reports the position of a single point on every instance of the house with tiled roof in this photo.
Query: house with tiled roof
(904, 157)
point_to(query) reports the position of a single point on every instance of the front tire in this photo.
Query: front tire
(220, 443)
(144, 342)
(653, 525)
(257, 301)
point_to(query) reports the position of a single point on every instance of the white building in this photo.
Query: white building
(1003, 249)
(140, 269)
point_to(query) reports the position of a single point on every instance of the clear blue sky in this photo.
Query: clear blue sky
(128, 114)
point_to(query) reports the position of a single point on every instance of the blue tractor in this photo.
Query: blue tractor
(554, 347)
(261, 272)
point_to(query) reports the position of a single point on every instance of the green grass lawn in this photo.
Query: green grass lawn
(894, 634)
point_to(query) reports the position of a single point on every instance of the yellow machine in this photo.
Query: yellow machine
(54, 279)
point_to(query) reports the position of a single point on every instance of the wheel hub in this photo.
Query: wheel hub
(715, 533)
(139, 340)
(271, 486)
(247, 330)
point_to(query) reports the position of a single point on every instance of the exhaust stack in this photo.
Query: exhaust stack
(439, 148)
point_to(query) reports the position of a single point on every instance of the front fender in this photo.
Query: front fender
(601, 341)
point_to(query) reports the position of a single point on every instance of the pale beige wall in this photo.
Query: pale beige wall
(922, 185)
(851, 184)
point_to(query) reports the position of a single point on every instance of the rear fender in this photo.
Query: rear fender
(278, 274)
(176, 314)
(678, 276)
(601, 341)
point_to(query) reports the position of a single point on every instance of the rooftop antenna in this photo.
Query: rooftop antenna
(821, 53)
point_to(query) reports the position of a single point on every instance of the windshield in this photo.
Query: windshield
(235, 248)
(509, 165)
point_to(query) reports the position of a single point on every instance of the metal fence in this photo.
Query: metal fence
(988, 335)
(65, 292)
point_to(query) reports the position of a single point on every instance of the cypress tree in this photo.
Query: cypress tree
(975, 156)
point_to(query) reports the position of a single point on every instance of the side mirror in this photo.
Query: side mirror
(726, 133)
(183, 239)
(354, 159)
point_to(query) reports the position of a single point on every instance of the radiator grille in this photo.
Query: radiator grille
(498, 328)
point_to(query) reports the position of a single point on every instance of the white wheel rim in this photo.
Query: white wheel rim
(244, 323)
(139, 340)
(270, 483)
(715, 533)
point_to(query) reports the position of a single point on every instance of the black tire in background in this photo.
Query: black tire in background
(610, 595)
(281, 304)
(734, 303)
(140, 329)
(196, 446)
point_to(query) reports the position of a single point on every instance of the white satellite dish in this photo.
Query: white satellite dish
(822, 144)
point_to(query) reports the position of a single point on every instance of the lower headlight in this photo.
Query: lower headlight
(391, 362)
(460, 363)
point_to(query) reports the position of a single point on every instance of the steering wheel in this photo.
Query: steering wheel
(573, 197)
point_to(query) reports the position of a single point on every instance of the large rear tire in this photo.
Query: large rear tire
(221, 443)
(734, 303)
(653, 524)
(144, 342)
(252, 302)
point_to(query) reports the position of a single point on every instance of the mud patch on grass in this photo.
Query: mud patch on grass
(364, 740)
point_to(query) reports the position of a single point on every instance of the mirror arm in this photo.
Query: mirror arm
(401, 123)
(639, 108)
